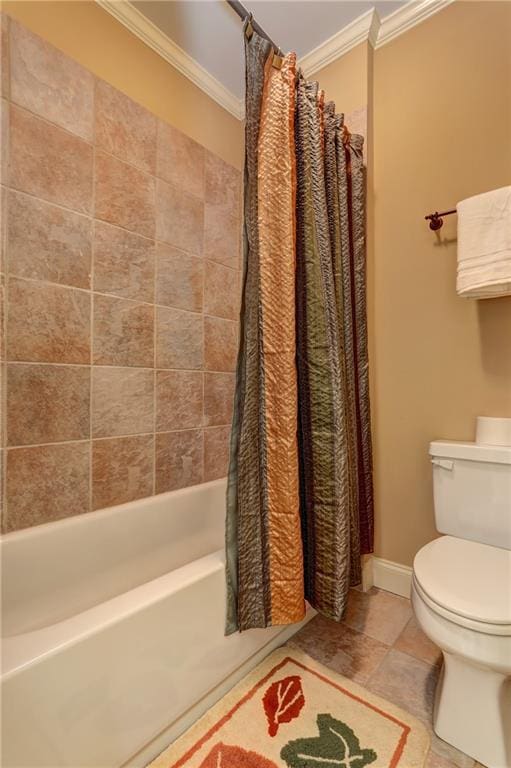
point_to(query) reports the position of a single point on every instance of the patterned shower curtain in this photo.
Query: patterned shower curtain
(299, 500)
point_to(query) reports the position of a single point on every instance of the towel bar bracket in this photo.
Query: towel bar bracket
(435, 219)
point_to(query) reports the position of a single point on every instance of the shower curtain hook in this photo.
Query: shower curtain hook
(249, 29)
(277, 61)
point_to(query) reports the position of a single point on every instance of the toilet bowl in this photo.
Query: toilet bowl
(461, 595)
(458, 606)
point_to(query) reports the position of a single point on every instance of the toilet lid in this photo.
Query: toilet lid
(467, 578)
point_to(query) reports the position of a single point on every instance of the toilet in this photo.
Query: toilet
(461, 595)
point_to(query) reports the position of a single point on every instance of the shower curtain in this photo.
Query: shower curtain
(299, 499)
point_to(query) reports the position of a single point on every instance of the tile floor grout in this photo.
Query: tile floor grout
(402, 668)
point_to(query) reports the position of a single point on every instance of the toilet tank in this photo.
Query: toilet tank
(472, 491)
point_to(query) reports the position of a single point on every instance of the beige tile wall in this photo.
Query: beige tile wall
(120, 256)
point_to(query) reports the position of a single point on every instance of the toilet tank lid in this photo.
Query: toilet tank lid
(496, 454)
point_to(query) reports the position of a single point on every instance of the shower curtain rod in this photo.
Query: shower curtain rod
(244, 14)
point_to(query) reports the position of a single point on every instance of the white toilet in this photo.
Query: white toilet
(461, 594)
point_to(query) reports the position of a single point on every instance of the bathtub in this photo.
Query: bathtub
(112, 631)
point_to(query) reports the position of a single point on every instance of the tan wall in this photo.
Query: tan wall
(88, 34)
(345, 80)
(438, 130)
(442, 132)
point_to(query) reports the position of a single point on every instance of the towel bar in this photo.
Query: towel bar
(435, 219)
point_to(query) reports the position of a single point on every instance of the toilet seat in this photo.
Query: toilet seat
(467, 583)
(500, 630)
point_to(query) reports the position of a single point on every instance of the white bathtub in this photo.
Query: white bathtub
(113, 636)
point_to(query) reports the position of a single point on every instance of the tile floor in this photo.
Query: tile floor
(380, 646)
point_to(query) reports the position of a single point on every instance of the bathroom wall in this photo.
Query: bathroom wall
(345, 80)
(440, 100)
(90, 35)
(121, 267)
(438, 130)
(442, 132)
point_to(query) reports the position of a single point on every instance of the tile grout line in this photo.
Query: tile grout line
(114, 367)
(92, 144)
(99, 438)
(203, 349)
(155, 334)
(92, 307)
(375, 671)
(52, 204)
(5, 328)
(138, 302)
(89, 216)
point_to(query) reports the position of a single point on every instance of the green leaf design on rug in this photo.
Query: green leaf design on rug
(335, 747)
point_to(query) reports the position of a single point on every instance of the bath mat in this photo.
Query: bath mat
(292, 712)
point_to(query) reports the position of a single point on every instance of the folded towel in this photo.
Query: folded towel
(484, 245)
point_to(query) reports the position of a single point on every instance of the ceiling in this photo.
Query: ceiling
(210, 31)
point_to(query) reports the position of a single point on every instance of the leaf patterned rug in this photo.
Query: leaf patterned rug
(292, 712)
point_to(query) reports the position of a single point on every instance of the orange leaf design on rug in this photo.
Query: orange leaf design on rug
(283, 702)
(224, 756)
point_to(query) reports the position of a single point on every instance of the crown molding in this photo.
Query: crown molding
(151, 35)
(359, 31)
(405, 18)
(366, 28)
(369, 28)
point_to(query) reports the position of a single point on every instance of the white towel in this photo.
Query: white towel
(484, 245)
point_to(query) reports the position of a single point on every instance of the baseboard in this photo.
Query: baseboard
(367, 573)
(393, 577)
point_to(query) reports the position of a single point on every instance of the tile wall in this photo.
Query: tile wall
(120, 276)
